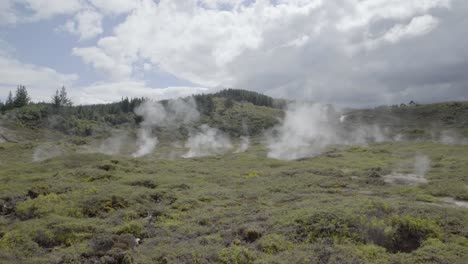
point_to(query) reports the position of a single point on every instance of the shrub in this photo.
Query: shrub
(19, 242)
(150, 184)
(134, 228)
(250, 234)
(236, 255)
(101, 243)
(273, 243)
(95, 206)
(37, 190)
(409, 232)
(324, 224)
(40, 206)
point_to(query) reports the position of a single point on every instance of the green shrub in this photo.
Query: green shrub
(236, 255)
(96, 206)
(409, 232)
(135, 228)
(273, 243)
(19, 243)
(42, 205)
(323, 224)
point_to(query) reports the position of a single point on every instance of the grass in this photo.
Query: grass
(235, 208)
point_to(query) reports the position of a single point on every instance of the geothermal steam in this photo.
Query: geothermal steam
(207, 141)
(244, 144)
(244, 140)
(45, 152)
(308, 129)
(113, 145)
(421, 167)
(175, 114)
(145, 142)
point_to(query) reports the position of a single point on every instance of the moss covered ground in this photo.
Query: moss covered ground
(232, 208)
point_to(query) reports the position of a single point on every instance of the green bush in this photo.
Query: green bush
(41, 206)
(274, 243)
(410, 232)
(20, 243)
(324, 224)
(135, 228)
(236, 255)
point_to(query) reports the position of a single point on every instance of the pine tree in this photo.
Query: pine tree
(65, 101)
(61, 98)
(21, 97)
(56, 102)
(9, 102)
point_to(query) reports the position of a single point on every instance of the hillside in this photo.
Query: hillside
(233, 177)
(417, 120)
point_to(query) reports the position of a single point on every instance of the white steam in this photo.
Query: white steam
(113, 145)
(146, 142)
(175, 114)
(305, 131)
(421, 167)
(450, 137)
(45, 152)
(243, 145)
(421, 164)
(207, 141)
(308, 129)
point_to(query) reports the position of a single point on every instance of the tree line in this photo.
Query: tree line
(60, 103)
(20, 99)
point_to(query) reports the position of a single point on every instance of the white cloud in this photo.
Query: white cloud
(14, 11)
(115, 6)
(7, 14)
(306, 49)
(418, 26)
(361, 13)
(110, 65)
(215, 4)
(115, 91)
(86, 24)
(45, 9)
(40, 81)
(341, 51)
(195, 43)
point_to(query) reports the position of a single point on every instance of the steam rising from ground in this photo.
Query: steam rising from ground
(308, 129)
(45, 152)
(175, 114)
(450, 137)
(244, 140)
(146, 142)
(113, 145)
(207, 141)
(421, 164)
(244, 144)
(110, 146)
(421, 167)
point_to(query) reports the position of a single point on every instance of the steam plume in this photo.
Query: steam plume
(244, 144)
(244, 140)
(421, 164)
(45, 152)
(207, 141)
(308, 129)
(155, 114)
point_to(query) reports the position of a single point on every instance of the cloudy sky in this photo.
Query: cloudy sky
(347, 52)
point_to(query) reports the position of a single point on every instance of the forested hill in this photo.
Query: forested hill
(230, 110)
(234, 111)
(416, 119)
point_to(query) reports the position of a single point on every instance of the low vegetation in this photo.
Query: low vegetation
(85, 207)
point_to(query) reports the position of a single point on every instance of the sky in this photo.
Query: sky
(344, 52)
